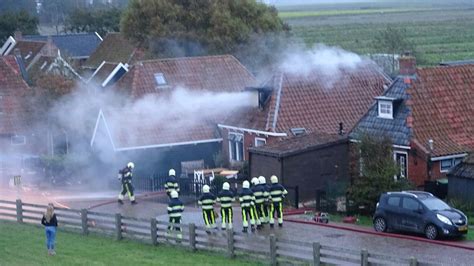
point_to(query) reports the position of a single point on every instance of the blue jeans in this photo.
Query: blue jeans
(50, 236)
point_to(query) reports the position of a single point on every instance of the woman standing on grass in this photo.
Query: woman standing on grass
(51, 223)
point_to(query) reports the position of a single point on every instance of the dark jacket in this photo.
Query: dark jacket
(175, 208)
(126, 175)
(52, 222)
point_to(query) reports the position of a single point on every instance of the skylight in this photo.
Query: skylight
(160, 79)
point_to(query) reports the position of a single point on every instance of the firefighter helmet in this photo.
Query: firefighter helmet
(225, 186)
(274, 179)
(261, 180)
(174, 194)
(254, 181)
(245, 184)
(206, 189)
(130, 165)
(172, 172)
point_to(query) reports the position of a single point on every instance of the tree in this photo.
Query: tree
(90, 20)
(22, 21)
(377, 172)
(393, 41)
(197, 27)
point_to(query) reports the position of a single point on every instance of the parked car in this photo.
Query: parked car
(420, 212)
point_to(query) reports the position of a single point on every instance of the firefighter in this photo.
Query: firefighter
(265, 205)
(226, 197)
(175, 209)
(125, 176)
(247, 203)
(171, 183)
(277, 193)
(207, 201)
(257, 192)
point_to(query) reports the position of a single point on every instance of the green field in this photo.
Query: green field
(25, 245)
(440, 30)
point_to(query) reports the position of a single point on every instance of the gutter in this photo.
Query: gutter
(454, 156)
(266, 133)
(169, 144)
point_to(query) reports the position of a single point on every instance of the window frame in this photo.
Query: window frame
(162, 76)
(260, 139)
(398, 176)
(420, 206)
(234, 146)
(454, 162)
(388, 115)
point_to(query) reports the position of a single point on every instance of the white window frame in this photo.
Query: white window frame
(239, 157)
(388, 114)
(406, 164)
(264, 140)
(162, 76)
(453, 163)
(18, 136)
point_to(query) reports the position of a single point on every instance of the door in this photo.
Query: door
(393, 212)
(412, 215)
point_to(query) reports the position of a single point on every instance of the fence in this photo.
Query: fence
(152, 231)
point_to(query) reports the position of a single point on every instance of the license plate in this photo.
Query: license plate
(463, 228)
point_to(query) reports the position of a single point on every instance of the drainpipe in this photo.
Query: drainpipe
(429, 163)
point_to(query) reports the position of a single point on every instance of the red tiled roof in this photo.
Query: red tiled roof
(442, 104)
(310, 102)
(28, 50)
(13, 90)
(223, 73)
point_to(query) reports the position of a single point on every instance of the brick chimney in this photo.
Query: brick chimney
(407, 64)
(17, 35)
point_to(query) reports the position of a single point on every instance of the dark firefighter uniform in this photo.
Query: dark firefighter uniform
(125, 176)
(277, 193)
(260, 196)
(247, 203)
(171, 184)
(266, 200)
(226, 197)
(175, 209)
(207, 201)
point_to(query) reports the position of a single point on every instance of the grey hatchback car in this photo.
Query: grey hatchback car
(420, 212)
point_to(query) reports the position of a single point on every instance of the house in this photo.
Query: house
(18, 140)
(292, 104)
(167, 137)
(30, 51)
(427, 113)
(310, 162)
(461, 181)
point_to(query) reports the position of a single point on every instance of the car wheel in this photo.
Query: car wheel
(380, 225)
(431, 232)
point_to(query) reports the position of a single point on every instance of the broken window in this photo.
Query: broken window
(236, 147)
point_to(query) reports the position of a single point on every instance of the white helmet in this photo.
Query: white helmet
(245, 184)
(172, 172)
(206, 189)
(254, 181)
(261, 180)
(274, 179)
(174, 194)
(225, 186)
(130, 165)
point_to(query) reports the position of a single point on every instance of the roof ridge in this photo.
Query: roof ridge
(185, 58)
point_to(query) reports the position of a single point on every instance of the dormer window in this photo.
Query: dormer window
(385, 107)
(160, 79)
(297, 131)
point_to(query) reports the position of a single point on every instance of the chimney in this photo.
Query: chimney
(407, 64)
(17, 35)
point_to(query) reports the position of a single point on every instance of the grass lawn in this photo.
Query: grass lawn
(25, 245)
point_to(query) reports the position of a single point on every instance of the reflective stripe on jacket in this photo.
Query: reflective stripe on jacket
(225, 197)
(175, 208)
(207, 201)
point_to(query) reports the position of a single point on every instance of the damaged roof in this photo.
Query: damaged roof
(220, 73)
(78, 45)
(13, 93)
(28, 50)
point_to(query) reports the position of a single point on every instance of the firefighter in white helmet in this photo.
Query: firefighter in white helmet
(171, 183)
(247, 203)
(265, 200)
(175, 209)
(226, 197)
(207, 201)
(125, 177)
(277, 194)
(256, 190)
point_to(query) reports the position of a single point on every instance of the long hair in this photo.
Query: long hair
(49, 212)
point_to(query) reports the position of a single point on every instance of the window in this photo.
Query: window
(236, 147)
(18, 140)
(385, 109)
(393, 201)
(160, 79)
(401, 160)
(260, 142)
(447, 164)
(298, 131)
(410, 204)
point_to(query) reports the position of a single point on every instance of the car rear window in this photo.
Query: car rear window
(410, 204)
(393, 201)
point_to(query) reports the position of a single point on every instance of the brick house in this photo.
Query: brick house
(159, 138)
(291, 104)
(427, 113)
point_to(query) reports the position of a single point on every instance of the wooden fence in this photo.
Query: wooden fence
(152, 231)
